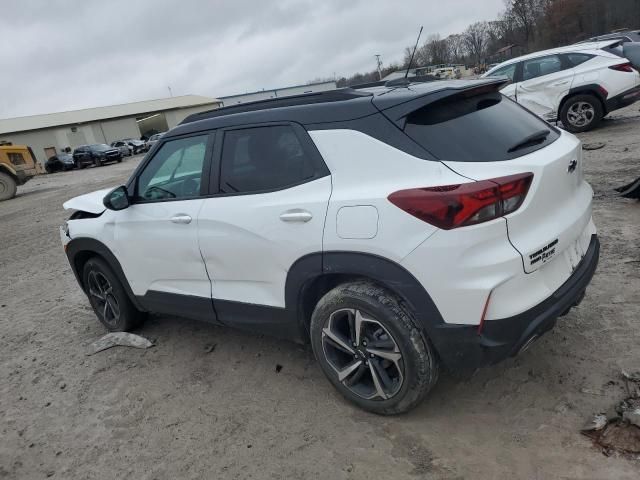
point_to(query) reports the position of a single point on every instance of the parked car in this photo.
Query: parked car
(371, 223)
(153, 139)
(578, 84)
(138, 146)
(622, 35)
(125, 149)
(97, 155)
(60, 162)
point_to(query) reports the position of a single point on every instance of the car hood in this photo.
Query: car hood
(89, 202)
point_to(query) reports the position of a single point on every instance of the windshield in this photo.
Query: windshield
(100, 147)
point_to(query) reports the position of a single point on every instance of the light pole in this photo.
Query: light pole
(379, 63)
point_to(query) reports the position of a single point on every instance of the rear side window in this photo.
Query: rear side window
(263, 159)
(576, 59)
(483, 128)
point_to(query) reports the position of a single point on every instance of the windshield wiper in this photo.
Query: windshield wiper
(533, 139)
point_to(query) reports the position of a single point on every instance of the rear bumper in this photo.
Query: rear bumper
(462, 349)
(623, 99)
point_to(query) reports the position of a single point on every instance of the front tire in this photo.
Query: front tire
(107, 296)
(370, 349)
(8, 186)
(581, 113)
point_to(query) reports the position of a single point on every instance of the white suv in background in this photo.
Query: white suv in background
(577, 85)
(396, 229)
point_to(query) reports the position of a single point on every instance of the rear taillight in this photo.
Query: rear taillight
(454, 206)
(623, 67)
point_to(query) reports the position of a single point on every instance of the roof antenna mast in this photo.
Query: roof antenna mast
(406, 74)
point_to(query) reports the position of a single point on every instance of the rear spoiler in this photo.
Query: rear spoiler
(397, 112)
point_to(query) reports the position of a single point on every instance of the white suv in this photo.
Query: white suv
(396, 228)
(577, 85)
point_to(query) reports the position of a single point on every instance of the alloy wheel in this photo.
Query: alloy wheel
(581, 114)
(105, 302)
(363, 354)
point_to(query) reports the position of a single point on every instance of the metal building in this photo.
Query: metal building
(53, 132)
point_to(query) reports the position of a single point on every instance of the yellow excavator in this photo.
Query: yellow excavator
(18, 165)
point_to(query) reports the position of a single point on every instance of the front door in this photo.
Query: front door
(545, 81)
(273, 192)
(156, 238)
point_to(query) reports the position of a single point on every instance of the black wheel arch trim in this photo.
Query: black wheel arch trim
(589, 89)
(77, 248)
(386, 273)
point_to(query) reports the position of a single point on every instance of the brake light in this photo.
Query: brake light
(453, 206)
(623, 67)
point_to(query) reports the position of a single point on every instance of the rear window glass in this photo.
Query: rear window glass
(482, 128)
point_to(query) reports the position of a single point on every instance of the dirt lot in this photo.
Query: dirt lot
(179, 410)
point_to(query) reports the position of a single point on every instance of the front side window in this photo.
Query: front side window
(262, 159)
(16, 158)
(175, 171)
(507, 71)
(539, 67)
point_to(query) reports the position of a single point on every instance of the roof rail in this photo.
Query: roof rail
(397, 82)
(338, 95)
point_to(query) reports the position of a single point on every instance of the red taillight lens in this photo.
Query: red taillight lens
(623, 67)
(454, 206)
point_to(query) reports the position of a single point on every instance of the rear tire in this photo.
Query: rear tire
(107, 296)
(8, 186)
(387, 368)
(97, 162)
(581, 113)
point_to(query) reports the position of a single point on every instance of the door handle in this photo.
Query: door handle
(181, 218)
(558, 84)
(296, 215)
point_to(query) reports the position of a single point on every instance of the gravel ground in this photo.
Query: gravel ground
(186, 410)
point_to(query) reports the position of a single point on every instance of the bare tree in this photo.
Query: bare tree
(437, 50)
(525, 13)
(475, 39)
(456, 46)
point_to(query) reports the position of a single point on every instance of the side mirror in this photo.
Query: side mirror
(117, 199)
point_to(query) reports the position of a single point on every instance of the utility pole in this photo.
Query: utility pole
(170, 92)
(379, 62)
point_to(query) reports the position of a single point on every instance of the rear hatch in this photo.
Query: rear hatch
(483, 135)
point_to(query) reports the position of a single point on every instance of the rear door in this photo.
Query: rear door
(545, 82)
(273, 191)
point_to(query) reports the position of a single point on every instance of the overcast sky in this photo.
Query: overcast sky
(58, 55)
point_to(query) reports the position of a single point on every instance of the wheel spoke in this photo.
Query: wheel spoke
(96, 294)
(113, 306)
(386, 381)
(376, 382)
(357, 375)
(337, 341)
(393, 356)
(348, 370)
(357, 325)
